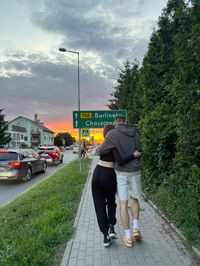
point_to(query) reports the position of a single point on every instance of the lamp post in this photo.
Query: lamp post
(79, 130)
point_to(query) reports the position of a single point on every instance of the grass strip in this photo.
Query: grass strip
(37, 225)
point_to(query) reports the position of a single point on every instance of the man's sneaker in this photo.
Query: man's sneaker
(128, 242)
(107, 241)
(112, 232)
(136, 234)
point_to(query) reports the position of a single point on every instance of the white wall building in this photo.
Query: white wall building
(30, 133)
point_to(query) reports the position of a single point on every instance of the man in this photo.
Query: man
(127, 141)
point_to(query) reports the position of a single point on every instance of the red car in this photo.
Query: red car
(51, 154)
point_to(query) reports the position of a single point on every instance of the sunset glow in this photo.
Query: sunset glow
(58, 126)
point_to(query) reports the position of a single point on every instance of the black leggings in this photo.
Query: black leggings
(104, 187)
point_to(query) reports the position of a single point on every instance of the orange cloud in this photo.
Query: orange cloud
(59, 125)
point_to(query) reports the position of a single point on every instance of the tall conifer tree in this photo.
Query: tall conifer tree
(126, 94)
(158, 123)
(186, 88)
(4, 137)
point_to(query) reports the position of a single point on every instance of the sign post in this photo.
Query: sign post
(95, 119)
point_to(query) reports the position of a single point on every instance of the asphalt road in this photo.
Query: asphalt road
(10, 190)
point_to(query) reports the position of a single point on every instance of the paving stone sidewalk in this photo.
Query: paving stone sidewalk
(160, 245)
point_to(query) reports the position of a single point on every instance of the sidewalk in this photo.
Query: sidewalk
(160, 245)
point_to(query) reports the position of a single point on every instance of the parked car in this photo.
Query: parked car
(52, 154)
(20, 164)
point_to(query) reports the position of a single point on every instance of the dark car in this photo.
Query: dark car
(20, 164)
(52, 154)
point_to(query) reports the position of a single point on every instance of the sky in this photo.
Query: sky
(36, 78)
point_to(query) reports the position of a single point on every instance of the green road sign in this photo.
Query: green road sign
(95, 119)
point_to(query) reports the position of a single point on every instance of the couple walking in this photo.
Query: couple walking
(118, 170)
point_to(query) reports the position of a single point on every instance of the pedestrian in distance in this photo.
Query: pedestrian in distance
(126, 140)
(83, 149)
(104, 187)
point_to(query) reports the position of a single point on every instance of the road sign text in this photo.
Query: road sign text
(95, 119)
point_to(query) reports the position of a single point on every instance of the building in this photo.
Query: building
(29, 133)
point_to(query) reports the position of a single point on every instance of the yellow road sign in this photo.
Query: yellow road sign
(85, 115)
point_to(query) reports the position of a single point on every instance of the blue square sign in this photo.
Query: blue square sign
(85, 132)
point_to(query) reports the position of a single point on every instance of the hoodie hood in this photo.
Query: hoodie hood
(126, 129)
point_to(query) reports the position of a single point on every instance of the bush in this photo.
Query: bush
(181, 204)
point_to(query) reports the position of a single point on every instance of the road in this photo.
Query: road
(9, 191)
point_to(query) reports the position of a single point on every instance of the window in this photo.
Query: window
(25, 138)
(8, 156)
(16, 136)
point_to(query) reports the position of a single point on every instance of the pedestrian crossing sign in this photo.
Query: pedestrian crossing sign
(85, 132)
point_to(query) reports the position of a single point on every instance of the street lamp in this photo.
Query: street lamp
(79, 130)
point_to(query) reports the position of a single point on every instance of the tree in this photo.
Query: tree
(126, 92)
(186, 88)
(159, 115)
(169, 88)
(63, 139)
(4, 137)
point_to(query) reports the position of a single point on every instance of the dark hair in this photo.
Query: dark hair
(107, 128)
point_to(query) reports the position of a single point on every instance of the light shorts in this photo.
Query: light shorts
(128, 184)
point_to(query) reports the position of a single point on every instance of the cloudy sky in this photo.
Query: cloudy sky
(36, 78)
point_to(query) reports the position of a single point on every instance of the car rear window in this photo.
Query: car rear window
(10, 156)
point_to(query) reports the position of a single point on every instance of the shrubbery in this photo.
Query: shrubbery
(163, 101)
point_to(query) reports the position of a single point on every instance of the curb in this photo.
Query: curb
(195, 251)
(68, 248)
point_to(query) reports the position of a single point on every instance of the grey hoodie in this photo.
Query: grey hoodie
(126, 140)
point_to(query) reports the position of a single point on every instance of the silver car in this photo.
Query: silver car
(20, 164)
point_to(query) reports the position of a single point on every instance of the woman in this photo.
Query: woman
(104, 187)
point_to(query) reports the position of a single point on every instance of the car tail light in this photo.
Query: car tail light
(3, 151)
(53, 154)
(15, 163)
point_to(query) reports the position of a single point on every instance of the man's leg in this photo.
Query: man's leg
(123, 204)
(135, 193)
(122, 190)
(134, 204)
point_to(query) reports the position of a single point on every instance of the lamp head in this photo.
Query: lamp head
(62, 49)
